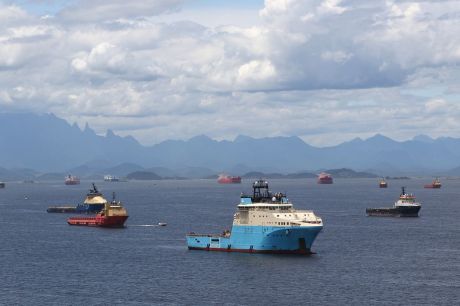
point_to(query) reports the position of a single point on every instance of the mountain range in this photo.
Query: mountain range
(46, 143)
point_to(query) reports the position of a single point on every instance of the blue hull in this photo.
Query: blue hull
(79, 209)
(89, 208)
(258, 239)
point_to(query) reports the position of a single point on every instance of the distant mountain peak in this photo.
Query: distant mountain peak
(200, 138)
(242, 138)
(356, 140)
(110, 134)
(87, 129)
(75, 126)
(423, 138)
(380, 138)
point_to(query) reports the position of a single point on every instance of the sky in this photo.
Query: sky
(327, 71)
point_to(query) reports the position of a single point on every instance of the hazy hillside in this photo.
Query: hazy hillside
(49, 144)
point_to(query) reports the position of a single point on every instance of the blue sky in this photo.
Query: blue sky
(240, 4)
(42, 7)
(51, 7)
(324, 70)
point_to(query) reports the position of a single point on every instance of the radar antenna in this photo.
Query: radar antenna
(94, 188)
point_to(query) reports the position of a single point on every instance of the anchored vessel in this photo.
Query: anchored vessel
(227, 179)
(325, 178)
(435, 184)
(72, 180)
(2, 185)
(383, 183)
(263, 223)
(111, 178)
(94, 203)
(113, 215)
(406, 206)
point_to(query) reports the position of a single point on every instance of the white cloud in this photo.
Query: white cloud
(256, 71)
(101, 10)
(336, 56)
(437, 106)
(327, 67)
(331, 7)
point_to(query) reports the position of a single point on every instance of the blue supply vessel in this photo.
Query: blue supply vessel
(263, 223)
(94, 203)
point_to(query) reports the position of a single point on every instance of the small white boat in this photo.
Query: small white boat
(162, 224)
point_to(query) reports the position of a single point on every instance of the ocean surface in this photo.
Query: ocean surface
(359, 260)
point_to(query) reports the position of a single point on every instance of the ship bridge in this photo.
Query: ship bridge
(262, 195)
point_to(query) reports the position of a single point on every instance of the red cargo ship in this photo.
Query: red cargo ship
(72, 180)
(227, 179)
(113, 215)
(435, 184)
(325, 178)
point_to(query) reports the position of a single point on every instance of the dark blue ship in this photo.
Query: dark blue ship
(94, 203)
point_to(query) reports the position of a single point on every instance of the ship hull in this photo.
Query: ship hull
(325, 181)
(258, 239)
(411, 211)
(432, 186)
(112, 221)
(229, 180)
(230, 250)
(72, 182)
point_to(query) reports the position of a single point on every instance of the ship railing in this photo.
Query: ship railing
(82, 218)
(192, 234)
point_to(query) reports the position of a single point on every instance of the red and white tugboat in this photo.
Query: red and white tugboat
(227, 179)
(325, 178)
(72, 180)
(113, 215)
(435, 184)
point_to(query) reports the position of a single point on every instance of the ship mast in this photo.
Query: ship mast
(260, 188)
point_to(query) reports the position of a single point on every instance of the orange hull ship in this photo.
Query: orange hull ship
(113, 215)
(325, 178)
(72, 180)
(435, 184)
(227, 179)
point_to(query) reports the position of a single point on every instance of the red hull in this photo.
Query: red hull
(432, 186)
(72, 182)
(324, 178)
(297, 252)
(102, 221)
(229, 180)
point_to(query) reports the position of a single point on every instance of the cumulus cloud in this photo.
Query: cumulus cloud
(101, 10)
(352, 65)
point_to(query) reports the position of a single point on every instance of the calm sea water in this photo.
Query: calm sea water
(360, 260)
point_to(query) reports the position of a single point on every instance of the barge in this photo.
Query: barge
(94, 203)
